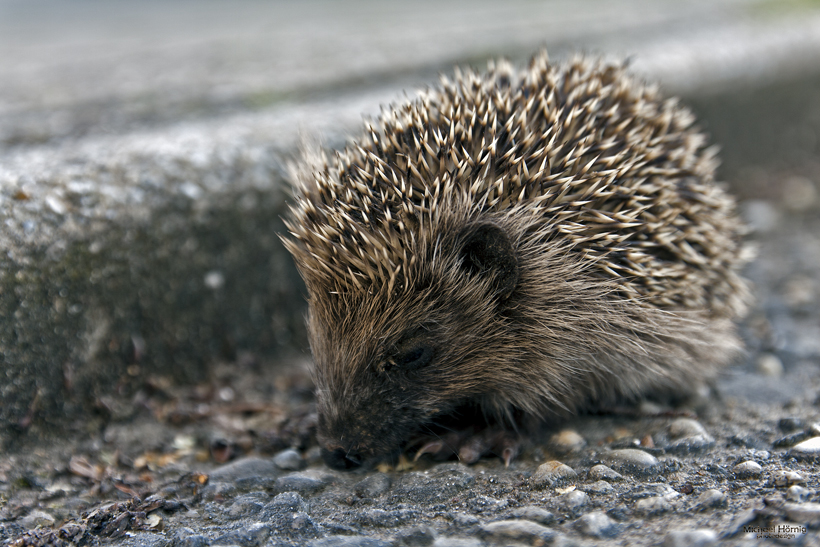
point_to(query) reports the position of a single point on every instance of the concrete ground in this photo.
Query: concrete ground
(143, 149)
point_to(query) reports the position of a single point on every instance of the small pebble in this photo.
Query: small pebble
(418, 536)
(552, 473)
(747, 469)
(300, 521)
(299, 482)
(248, 536)
(373, 486)
(799, 291)
(519, 530)
(247, 505)
(349, 541)
(313, 456)
(567, 441)
(572, 501)
(787, 425)
(388, 519)
(651, 490)
(465, 520)
(710, 499)
(807, 514)
(808, 449)
(649, 507)
(792, 439)
(188, 538)
(245, 468)
(37, 519)
(769, 364)
(685, 427)
(797, 494)
(690, 445)
(690, 538)
(438, 485)
(690, 436)
(631, 460)
(289, 460)
(288, 500)
(799, 194)
(760, 215)
(602, 472)
(599, 487)
(535, 514)
(458, 542)
(786, 478)
(598, 525)
(485, 504)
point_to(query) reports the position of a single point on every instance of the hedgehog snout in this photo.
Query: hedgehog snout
(339, 458)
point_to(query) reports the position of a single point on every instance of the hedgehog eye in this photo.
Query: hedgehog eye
(415, 357)
(413, 351)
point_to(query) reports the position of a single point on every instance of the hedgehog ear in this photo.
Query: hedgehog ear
(487, 251)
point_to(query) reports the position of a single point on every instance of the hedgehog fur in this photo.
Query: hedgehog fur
(522, 241)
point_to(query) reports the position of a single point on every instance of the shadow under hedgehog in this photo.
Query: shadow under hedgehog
(522, 242)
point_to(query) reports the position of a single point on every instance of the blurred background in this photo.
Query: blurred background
(70, 70)
(143, 147)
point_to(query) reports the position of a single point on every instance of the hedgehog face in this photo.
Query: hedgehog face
(386, 364)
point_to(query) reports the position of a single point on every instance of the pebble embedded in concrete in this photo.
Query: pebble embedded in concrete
(797, 494)
(602, 472)
(747, 470)
(769, 364)
(598, 525)
(245, 468)
(37, 519)
(288, 460)
(567, 441)
(518, 530)
(387, 518)
(799, 194)
(574, 500)
(691, 538)
(247, 504)
(710, 499)
(552, 473)
(630, 460)
(373, 486)
(349, 541)
(299, 482)
(786, 478)
(458, 542)
(417, 536)
(486, 504)
(650, 507)
(599, 487)
(803, 513)
(792, 439)
(808, 449)
(689, 437)
(686, 427)
(535, 514)
(289, 500)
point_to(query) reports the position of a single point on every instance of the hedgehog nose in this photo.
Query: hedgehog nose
(338, 458)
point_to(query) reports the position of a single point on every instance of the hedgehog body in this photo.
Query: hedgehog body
(522, 241)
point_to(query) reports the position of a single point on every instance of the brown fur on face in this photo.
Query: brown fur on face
(528, 241)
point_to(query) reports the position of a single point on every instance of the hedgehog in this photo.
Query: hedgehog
(518, 244)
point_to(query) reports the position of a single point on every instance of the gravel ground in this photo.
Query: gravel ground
(233, 461)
